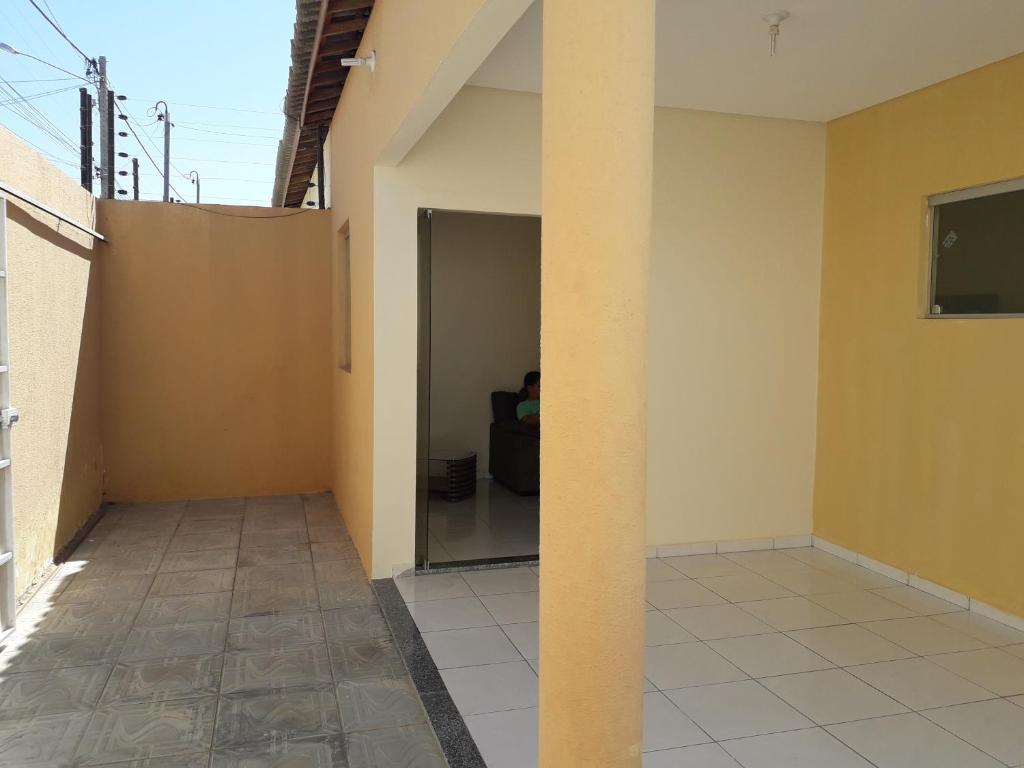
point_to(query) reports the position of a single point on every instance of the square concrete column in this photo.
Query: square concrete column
(598, 124)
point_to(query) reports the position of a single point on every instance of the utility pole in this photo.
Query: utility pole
(166, 117)
(135, 178)
(106, 172)
(85, 111)
(194, 176)
(321, 173)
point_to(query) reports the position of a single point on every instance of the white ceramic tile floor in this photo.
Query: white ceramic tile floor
(790, 613)
(735, 710)
(811, 748)
(909, 741)
(839, 653)
(996, 727)
(712, 622)
(494, 522)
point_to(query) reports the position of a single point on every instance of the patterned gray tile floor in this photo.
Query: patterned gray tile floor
(211, 634)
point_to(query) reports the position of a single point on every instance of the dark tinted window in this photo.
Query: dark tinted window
(979, 256)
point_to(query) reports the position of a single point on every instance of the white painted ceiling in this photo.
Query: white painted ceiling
(833, 56)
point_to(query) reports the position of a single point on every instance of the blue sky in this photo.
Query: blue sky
(193, 54)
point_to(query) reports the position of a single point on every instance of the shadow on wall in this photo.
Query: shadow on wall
(55, 384)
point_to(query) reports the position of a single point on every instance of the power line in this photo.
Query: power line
(273, 129)
(212, 106)
(46, 80)
(231, 162)
(18, 104)
(225, 133)
(224, 178)
(33, 96)
(224, 141)
(52, 23)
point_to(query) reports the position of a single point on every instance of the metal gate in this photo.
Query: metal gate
(8, 416)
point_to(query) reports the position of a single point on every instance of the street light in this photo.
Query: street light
(15, 52)
(194, 176)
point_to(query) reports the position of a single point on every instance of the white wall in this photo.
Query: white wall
(734, 308)
(484, 322)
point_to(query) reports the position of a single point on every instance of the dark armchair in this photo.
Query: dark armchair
(514, 447)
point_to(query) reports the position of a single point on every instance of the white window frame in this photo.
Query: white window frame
(967, 193)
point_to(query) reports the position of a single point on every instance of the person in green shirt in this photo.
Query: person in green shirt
(528, 410)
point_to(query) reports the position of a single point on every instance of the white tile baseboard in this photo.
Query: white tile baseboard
(886, 570)
(939, 591)
(835, 549)
(930, 587)
(736, 545)
(986, 610)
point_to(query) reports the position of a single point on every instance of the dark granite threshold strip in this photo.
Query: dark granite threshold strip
(480, 564)
(456, 742)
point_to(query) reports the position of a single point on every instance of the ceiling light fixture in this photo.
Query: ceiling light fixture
(773, 20)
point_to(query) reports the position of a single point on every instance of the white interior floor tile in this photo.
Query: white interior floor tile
(995, 727)
(743, 587)
(763, 655)
(916, 600)
(861, 605)
(735, 710)
(432, 586)
(1016, 650)
(499, 581)
(811, 748)
(515, 608)
(506, 739)
(789, 613)
(455, 613)
(661, 630)
(767, 561)
(665, 726)
(678, 666)
(680, 593)
(818, 558)
(1018, 700)
(492, 687)
(659, 570)
(832, 696)
(849, 644)
(923, 635)
(700, 756)
(812, 581)
(919, 684)
(909, 741)
(991, 668)
(525, 637)
(988, 631)
(867, 579)
(710, 622)
(470, 647)
(704, 565)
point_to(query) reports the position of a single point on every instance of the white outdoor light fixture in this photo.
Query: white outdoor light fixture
(370, 62)
(773, 20)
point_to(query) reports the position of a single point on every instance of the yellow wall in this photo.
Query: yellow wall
(216, 353)
(422, 52)
(735, 255)
(921, 422)
(53, 292)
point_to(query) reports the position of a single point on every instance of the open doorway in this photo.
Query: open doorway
(478, 450)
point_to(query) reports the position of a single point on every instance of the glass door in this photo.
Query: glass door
(423, 390)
